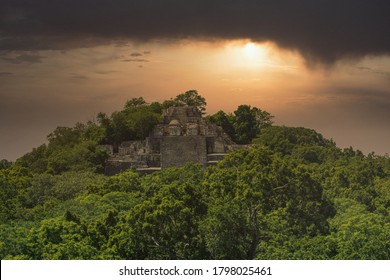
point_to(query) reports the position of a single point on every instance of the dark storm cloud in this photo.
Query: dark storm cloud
(321, 30)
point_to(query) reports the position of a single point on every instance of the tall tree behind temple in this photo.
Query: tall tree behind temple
(245, 124)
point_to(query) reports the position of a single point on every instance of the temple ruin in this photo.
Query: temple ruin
(182, 136)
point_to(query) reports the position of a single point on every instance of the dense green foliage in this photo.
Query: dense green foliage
(244, 125)
(69, 149)
(292, 195)
(190, 98)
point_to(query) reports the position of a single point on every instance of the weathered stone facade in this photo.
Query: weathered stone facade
(183, 136)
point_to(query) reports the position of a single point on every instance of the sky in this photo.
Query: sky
(319, 64)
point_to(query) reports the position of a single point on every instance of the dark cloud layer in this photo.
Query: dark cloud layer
(322, 30)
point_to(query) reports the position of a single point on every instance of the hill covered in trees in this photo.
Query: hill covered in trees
(292, 195)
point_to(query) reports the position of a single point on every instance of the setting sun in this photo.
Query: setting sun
(248, 55)
(251, 50)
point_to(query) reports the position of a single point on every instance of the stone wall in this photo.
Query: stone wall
(185, 114)
(132, 148)
(178, 151)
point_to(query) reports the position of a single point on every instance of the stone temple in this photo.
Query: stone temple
(182, 136)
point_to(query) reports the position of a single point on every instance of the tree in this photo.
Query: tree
(191, 98)
(62, 238)
(225, 229)
(248, 122)
(287, 139)
(135, 102)
(226, 121)
(134, 122)
(358, 233)
(14, 183)
(4, 164)
(272, 197)
(244, 125)
(169, 103)
(141, 122)
(14, 242)
(64, 136)
(166, 224)
(81, 157)
(36, 160)
(263, 118)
